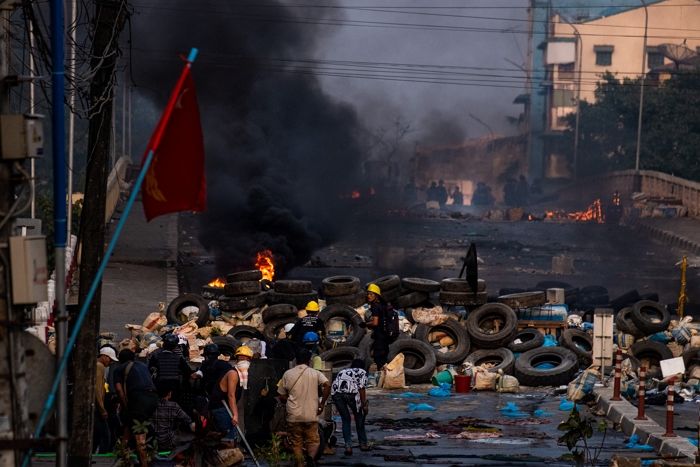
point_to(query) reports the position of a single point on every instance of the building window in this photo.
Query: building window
(603, 55)
(566, 71)
(563, 98)
(654, 58)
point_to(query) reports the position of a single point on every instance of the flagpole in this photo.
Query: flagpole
(49, 403)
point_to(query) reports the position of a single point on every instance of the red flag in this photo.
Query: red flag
(175, 181)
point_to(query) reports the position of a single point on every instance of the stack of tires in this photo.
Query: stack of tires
(186, 307)
(292, 292)
(415, 291)
(390, 286)
(491, 328)
(275, 317)
(343, 290)
(242, 292)
(457, 292)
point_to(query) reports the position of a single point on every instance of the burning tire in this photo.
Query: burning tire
(252, 275)
(502, 359)
(298, 300)
(419, 359)
(243, 333)
(234, 289)
(454, 330)
(348, 315)
(355, 300)
(417, 284)
(649, 354)
(341, 357)
(624, 323)
(336, 286)
(526, 339)
(579, 342)
(546, 366)
(410, 299)
(175, 308)
(281, 310)
(387, 282)
(462, 298)
(243, 302)
(523, 300)
(455, 284)
(650, 317)
(492, 326)
(293, 287)
(273, 328)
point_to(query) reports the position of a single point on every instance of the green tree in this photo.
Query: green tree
(670, 140)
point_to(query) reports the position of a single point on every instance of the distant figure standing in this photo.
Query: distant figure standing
(441, 193)
(410, 192)
(510, 194)
(457, 197)
(523, 191)
(479, 198)
(431, 193)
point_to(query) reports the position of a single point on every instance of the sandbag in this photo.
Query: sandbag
(393, 376)
(675, 348)
(155, 320)
(694, 372)
(625, 341)
(583, 384)
(430, 316)
(681, 334)
(695, 342)
(484, 379)
(507, 383)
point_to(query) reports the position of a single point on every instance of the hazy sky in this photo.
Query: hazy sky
(376, 32)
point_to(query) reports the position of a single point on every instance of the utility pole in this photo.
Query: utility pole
(110, 17)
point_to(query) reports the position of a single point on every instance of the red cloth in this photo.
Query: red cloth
(175, 181)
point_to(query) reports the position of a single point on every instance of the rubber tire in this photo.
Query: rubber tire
(455, 284)
(345, 355)
(185, 300)
(524, 299)
(347, 314)
(643, 323)
(355, 300)
(251, 275)
(505, 356)
(594, 290)
(414, 347)
(453, 329)
(227, 344)
(417, 284)
(462, 298)
(652, 296)
(273, 328)
(568, 340)
(544, 285)
(625, 300)
(387, 282)
(690, 356)
(561, 374)
(234, 289)
(624, 323)
(298, 300)
(534, 339)
(242, 331)
(504, 337)
(292, 287)
(336, 286)
(244, 302)
(410, 300)
(641, 348)
(281, 310)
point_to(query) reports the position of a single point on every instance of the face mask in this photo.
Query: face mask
(243, 365)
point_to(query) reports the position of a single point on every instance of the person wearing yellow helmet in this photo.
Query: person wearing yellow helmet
(309, 323)
(379, 311)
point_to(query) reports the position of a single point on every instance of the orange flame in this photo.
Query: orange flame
(594, 213)
(355, 194)
(265, 264)
(219, 283)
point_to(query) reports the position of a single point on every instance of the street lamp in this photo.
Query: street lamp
(641, 90)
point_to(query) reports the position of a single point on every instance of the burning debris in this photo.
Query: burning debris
(265, 264)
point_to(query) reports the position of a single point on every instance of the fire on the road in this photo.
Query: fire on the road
(219, 283)
(264, 262)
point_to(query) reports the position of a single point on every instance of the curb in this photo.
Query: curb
(668, 237)
(649, 432)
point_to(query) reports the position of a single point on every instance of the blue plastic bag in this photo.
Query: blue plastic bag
(567, 405)
(549, 341)
(541, 413)
(587, 326)
(660, 337)
(634, 444)
(445, 390)
(421, 408)
(512, 410)
(408, 395)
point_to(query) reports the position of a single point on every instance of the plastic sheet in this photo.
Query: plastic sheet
(550, 341)
(541, 413)
(567, 405)
(408, 395)
(421, 408)
(445, 390)
(511, 410)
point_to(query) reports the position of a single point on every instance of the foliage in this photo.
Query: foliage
(670, 137)
(577, 431)
(273, 452)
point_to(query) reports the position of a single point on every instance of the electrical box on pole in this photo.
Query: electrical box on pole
(29, 271)
(21, 136)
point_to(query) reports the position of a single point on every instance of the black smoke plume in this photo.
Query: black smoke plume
(280, 152)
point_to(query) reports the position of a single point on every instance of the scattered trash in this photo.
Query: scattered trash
(416, 437)
(475, 435)
(634, 444)
(421, 408)
(445, 390)
(567, 405)
(550, 341)
(542, 413)
(512, 410)
(408, 395)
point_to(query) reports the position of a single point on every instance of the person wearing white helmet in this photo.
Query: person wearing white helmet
(101, 433)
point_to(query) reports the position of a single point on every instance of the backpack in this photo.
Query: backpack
(391, 322)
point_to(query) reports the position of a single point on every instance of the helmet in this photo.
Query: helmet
(310, 338)
(212, 349)
(374, 288)
(288, 327)
(170, 341)
(312, 306)
(245, 351)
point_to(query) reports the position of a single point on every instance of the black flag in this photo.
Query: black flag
(472, 268)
